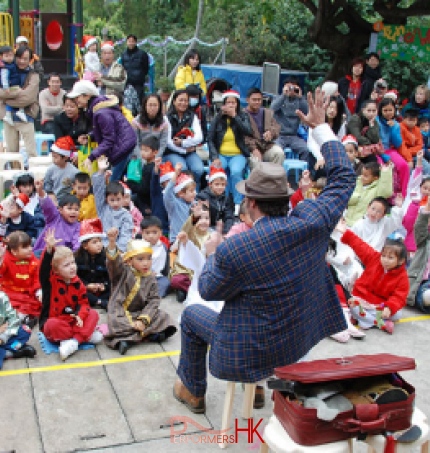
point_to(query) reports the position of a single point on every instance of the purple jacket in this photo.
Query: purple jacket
(67, 232)
(113, 133)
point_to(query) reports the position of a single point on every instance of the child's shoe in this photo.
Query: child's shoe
(67, 348)
(341, 337)
(96, 337)
(22, 116)
(388, 327)
(8, 119)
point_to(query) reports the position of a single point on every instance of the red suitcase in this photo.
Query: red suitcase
(305, 428)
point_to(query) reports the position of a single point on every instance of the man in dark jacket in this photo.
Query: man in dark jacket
(136, 63)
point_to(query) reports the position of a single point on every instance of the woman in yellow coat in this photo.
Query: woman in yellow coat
(190, 73)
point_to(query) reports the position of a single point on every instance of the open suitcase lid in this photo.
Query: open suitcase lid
(344, 368)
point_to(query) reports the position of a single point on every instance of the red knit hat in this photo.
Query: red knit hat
(91, 228)
(230, 94)
(215, 173)
(22, 200)
(349, 139)
(166, 171)
(182, 181)
(64, 146)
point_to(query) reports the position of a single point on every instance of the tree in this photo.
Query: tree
(343, 27)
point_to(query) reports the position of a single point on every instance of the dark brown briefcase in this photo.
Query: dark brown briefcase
(375, 408)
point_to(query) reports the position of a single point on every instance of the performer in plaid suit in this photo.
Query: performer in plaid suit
(280, 299)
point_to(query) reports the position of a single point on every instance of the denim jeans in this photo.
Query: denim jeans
(235, 167)
(419, 296)
(119, 169)
(190, 161)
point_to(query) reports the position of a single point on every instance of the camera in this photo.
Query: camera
(294, 89)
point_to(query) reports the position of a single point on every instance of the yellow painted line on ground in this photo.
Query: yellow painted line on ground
(69, 366)
(414, 318)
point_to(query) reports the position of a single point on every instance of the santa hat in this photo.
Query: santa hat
(22, 200)
(230, 94)
(166, 172)
(91, 228)
(349, 139)
(392, 94)
(182, 181)
(107, 45)
(215, 173)
(64, 146)
(127, 190)
(88, 40)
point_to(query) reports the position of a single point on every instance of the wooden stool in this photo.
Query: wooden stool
(277, 440)
(6, 158)
(40, 161)
(248, 404)
(377, 443)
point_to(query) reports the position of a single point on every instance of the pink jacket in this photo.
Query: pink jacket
(408, 222)
(137, 218)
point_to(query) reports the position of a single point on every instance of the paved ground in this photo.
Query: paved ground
(101, 401)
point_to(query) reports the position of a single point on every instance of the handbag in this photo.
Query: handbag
(384, 405)
(134, 170)
(83, 153)
(373, 148)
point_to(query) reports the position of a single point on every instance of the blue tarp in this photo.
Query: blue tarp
(243, 77)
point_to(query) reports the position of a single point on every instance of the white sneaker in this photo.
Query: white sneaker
(8, 119)
(22, 116)
(67, 348)
(236, 210)
(96, 337)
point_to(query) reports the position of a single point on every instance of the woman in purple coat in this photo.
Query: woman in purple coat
(115, 137)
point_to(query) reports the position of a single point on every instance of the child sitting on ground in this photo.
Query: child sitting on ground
(372, 183)
(66, 315)
(82, 188)
(14, 218)
(419, 268)
(221, 206)
(424, 125)
(376, 225)
(13, 335)
(351, 148)
(60, 175)
(10, 80)
(63, 221)
(151, 233)
(412, 140)
(109, 202)
(178, 197)
(91, 263)
(133, 312)
(245, 223)
(24, 182)
(380, 293)
(197, 230)
(19, 277)
(136, 215)
(161, 175)
(142, 189)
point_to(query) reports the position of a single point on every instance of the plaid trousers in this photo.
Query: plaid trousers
(197, 329)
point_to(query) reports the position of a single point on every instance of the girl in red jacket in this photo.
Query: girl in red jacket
(380, 293)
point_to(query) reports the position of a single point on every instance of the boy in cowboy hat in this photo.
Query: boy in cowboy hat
(133, 311)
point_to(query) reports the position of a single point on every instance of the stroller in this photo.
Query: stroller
(215, 88)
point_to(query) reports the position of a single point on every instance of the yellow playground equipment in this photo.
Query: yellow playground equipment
(6, 30)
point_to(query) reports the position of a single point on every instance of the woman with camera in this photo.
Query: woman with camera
(184, 134)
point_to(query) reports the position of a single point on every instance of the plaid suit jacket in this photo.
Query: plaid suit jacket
(280, 298)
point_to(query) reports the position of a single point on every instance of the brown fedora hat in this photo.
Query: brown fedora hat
(267, 181)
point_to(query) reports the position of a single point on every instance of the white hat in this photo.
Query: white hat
(83, 87)
(329, 88)
(21, 39)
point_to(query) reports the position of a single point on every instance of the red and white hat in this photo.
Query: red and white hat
(215, 173)
(166, 171)
(182, 181)
(91, 228)
(349, 139)
(88, 40)
(392, 94)
(127, 190)
(107, 45)
(230, 94)
(64, 146)
(22, 200)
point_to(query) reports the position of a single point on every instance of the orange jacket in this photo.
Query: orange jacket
(412, 142)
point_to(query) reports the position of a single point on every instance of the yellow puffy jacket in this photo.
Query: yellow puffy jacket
(185, 77)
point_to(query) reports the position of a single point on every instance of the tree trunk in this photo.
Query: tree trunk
(191, 45)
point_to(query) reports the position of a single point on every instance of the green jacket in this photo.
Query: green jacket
(9, 315)
(419, 262)
(362, 196)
